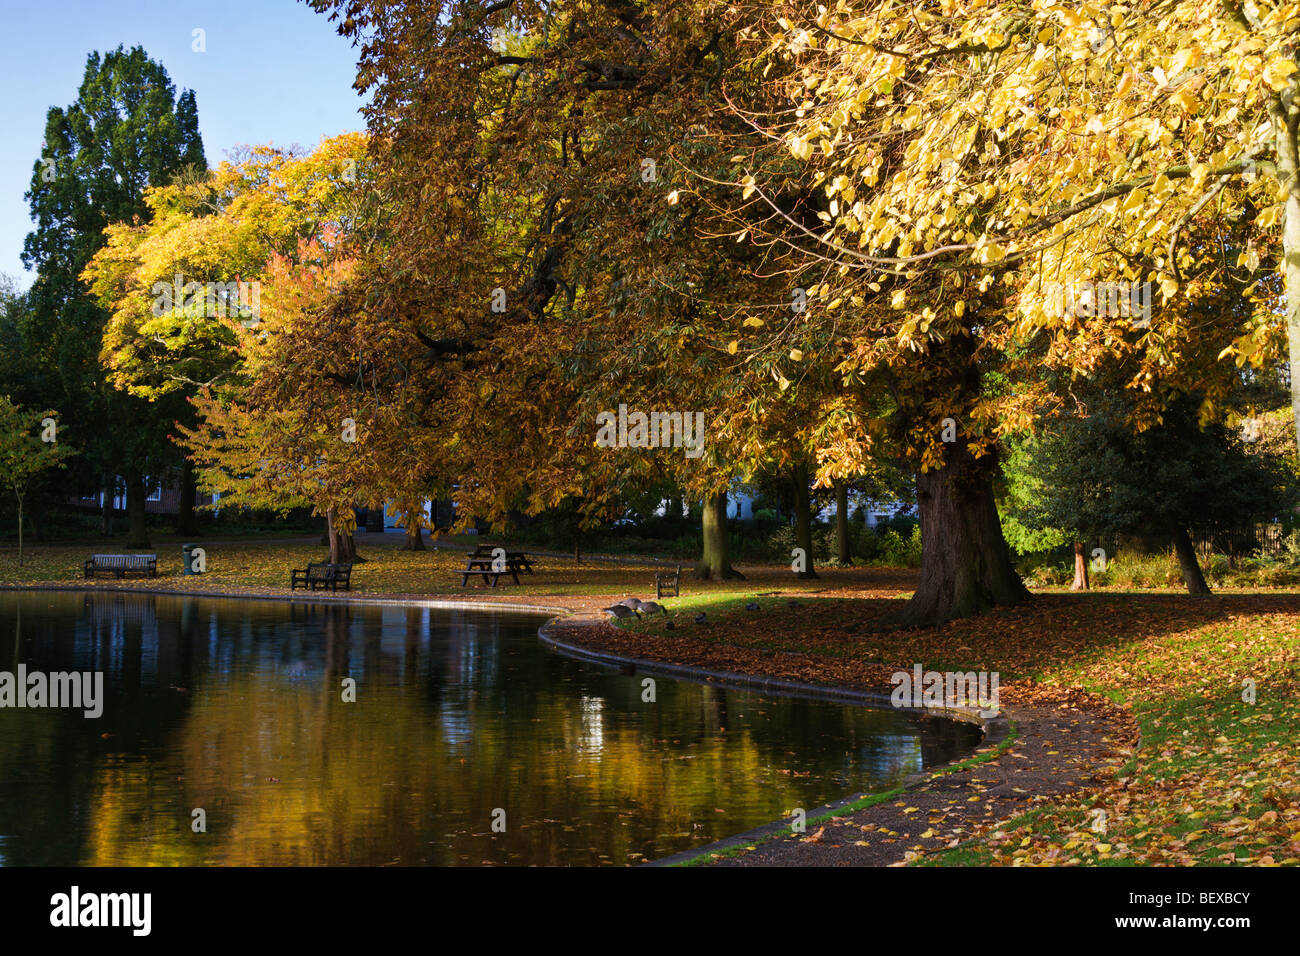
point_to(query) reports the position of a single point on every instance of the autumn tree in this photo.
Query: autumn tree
(982, 167)
(171, 281)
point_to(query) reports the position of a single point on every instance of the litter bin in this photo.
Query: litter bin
(187, 559)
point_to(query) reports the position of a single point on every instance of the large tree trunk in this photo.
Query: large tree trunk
(343, 547)
(1191, 568)
(186, 522)
(20, 530)
(714, 563)
(1285, 110)
(137, 533)
(965, 564)
(845, 555)
(1080, 569)
(803, 517)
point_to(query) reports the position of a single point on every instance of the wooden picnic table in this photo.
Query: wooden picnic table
(484, 567)
(517, 560)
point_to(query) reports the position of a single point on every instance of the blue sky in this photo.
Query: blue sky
(274, 72)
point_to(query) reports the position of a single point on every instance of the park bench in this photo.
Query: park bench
(668, 585)
(322, 576)
(121, 565)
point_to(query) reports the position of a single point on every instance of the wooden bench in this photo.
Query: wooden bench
(668, 585)
(322, 576)
(121, 565)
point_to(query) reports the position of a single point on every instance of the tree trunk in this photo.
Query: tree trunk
(20, 530)
(842, 523)
(1285, 110)
(414, 536)
(343, 547)
(965, 564)
(802, 517)
(186, 522)
(137, 534)
(1191, 569)
(1080, 569)
(714, 563)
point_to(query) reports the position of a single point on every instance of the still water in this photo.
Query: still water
(237, 708)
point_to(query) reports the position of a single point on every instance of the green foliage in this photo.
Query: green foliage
(128, 130)
(1092, 476)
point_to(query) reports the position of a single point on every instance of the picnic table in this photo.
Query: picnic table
(491, 562)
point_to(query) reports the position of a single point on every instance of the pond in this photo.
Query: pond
(469, 742)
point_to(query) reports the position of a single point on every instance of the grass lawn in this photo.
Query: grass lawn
(1214, 777)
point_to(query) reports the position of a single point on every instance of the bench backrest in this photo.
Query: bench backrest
(123, 560)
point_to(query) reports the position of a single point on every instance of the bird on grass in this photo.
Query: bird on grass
(651, 607)
(633, 603)
(701, 618)
(619, 611)
(751, 606)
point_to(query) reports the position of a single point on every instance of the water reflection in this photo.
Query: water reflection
(236, 707)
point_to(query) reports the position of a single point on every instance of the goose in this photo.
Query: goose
(651, 607)
(701, 618)
(751, 606)
(619, 611)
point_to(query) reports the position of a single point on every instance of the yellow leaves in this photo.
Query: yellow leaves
(897, 300)
(1278, 72)
(1133, 200)
(672, 198)
(1186, 101)
(1185, 59)
(801, 147)
(1161, 188)
(753, 322)
(748, 183)
(796, 355)
(732, 346)
(1268, 219)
